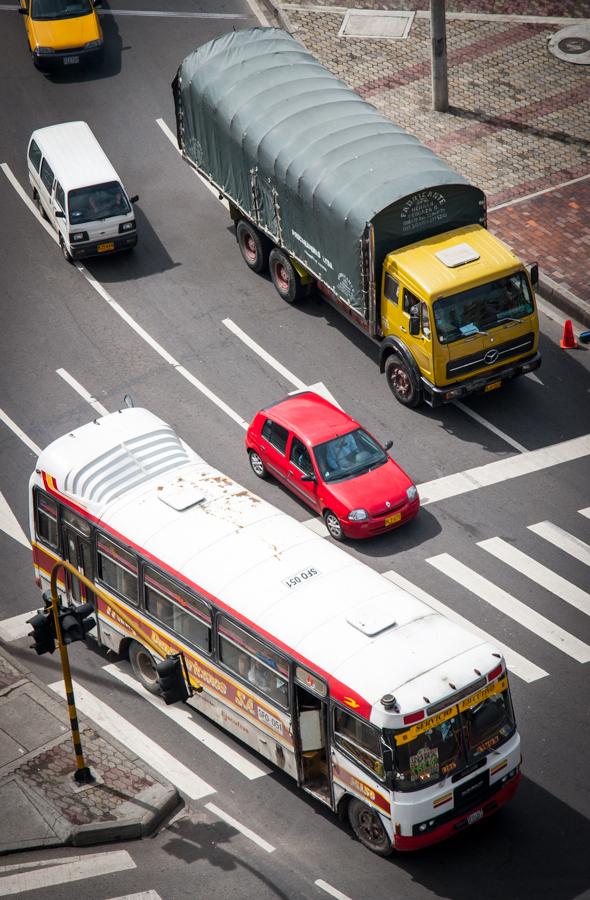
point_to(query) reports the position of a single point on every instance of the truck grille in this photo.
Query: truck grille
(482, 359)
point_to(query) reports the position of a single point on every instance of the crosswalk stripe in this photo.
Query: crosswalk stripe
(139, 743)
(517, 664)
(511, 607)
(585, 512)
(16, 627)
(182, 716)
(538, 573)
(143, 895)
(75, 869)
(567, 542)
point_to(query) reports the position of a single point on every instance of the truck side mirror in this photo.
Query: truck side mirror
(534, 272)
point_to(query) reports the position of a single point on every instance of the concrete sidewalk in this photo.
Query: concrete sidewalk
(42, 806)
(519, 119)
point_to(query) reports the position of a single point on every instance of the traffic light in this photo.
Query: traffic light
(75, 622)
(173, 680)
(43, 632)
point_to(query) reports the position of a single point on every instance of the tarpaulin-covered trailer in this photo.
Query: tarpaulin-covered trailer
(312, 164)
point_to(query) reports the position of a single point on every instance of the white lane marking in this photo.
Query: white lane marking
(532, 376)
(517, 663)
(9, 524)
(503, 469)
(257, 13)
(143, 895)
(317, 526)
(183, 717)
(511, 607)
(239, 827)
(143, 334)
(19, 433)
(585, 512)
(332, 891)
(16, 627)
(567, 542)
(489, 426)
(173, 140)
(28, 202)
(274, 363)
(554, 187)
(168, 15)
(538, 573)
(139, 743)
(77, 868)
(86, 395)
(320, 388)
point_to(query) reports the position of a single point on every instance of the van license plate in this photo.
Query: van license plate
(493, 385)
(102, 248)
(391, 520)
(475, 817)
(71, 60)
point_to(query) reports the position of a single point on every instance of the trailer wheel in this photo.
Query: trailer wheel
(144, 667)
(368, 828)
(285, 277)
(401, 382)
(254, 246)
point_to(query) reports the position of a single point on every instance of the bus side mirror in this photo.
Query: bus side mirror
(534, 272)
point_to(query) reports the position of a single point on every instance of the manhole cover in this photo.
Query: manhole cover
(378, 25)
(572, 44)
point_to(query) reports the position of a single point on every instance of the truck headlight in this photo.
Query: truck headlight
(412, 492)
(358, 515)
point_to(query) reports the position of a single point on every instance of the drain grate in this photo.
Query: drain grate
(376, 24)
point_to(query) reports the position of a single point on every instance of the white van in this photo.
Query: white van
(76, 188)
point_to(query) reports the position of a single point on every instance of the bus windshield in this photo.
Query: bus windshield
(481, 308)
(425, 755)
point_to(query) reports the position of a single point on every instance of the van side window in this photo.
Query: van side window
(391, 288)
(47, 175)
(35, 155)
(275, 435)
(60, 196)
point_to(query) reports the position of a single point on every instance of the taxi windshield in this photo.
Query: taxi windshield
(348, 455)
(482, 308)
(60, 9)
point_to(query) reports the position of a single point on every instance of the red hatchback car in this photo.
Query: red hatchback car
(326, 458)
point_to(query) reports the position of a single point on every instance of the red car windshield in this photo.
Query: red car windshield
(348, 455)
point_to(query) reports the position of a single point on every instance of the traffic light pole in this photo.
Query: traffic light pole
(82, 775)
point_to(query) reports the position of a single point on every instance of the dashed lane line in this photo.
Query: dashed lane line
(247, 832)
(94, 403)
(484, 422)
(210, 187)
(262, 353)
(332, 891)
(19, 433)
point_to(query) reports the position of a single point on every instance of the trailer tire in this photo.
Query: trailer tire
(368, 827)
(144, 667)
(402, 382)
(254, 246)
(285, 277)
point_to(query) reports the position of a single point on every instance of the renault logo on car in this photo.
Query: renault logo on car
(491, 357)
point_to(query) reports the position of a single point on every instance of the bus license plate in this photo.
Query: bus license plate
(71, 60)
(475, 817)
(102, 248)
(391, 520)
(493, 386)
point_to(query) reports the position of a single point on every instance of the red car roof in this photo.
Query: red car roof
(312, 417)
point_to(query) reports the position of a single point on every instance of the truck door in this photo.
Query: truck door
(265, 204)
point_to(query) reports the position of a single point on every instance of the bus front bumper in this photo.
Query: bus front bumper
(479, 384)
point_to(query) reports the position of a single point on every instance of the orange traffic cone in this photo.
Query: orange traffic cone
(568, 341)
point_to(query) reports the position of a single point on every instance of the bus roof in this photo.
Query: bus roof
(134, 476)
(75, 154)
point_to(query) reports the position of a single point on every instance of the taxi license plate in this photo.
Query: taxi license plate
(391, 520)
(71, 60)
(102, 248)
(475, 817)
(493, 385)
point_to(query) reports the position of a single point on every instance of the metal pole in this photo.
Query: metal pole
(438, 34)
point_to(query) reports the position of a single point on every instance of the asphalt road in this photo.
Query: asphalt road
(183, 280)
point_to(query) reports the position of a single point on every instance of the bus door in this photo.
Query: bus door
(311, 728)
(78, 551)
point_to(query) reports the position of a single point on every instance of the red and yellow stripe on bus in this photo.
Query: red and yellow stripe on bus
(368, 793)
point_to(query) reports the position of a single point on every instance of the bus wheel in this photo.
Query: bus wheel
(368, 828)
(254, 246)
(401, 382)
(285, 277)
(144, 667)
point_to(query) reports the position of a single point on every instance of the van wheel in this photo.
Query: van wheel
(39, 205)
(368, 828)
(332, 523)
(254, 246)
(285, 277)
(144, 667)
(401, 382)
(65, 252)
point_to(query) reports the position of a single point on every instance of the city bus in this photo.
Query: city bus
(379, 707)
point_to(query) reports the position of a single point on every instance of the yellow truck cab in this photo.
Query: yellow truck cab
(458, 316)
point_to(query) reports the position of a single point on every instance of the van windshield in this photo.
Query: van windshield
(100, 201)
(60, 9)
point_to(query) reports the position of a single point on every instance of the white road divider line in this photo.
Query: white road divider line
(585, 512)
(332, 891)
(143, 895)
(139, 743)
(173, 140)
(16, 627)
(272, 362)
(567, 542)
(511, 607)
(517, 663)
(19, 433)
(481, 421)
(94, 403)
(239, 827)
(183, 717)
(27, 200)
(10, 525)
(76, 868)
(538, 573)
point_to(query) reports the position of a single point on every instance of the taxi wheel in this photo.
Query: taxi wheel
(401, 382)
(332, 523)
(144, 667)
(368, 828)
(254, 246)
(257, 465)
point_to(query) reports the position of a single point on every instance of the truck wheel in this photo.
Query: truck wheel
(254, 246)
(144, 667)
(401, 382)
(285, 277)
(332, 523)
(368, 828)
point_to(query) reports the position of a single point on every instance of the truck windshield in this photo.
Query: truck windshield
(426, 755)
(60, 9)
(348, 455)
(100, 201)
(482, 308)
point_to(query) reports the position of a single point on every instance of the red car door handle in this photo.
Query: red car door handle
(290, 473)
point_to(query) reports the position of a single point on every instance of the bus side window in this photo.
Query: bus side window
(117, 568)
(391, 289)
(177, 609)
(359, 740)
(46, 520)
(254, 662)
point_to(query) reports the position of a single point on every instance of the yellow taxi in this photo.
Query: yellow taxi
(62, 32)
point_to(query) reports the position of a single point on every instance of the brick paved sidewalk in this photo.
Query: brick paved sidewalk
(41, 803)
